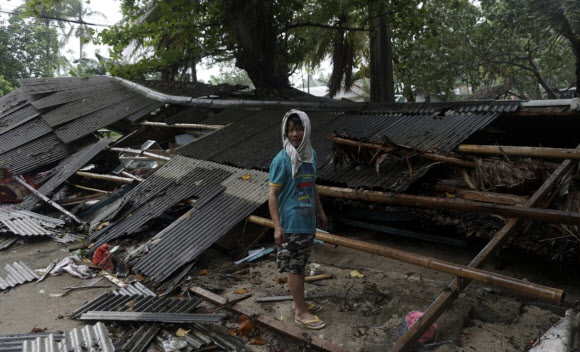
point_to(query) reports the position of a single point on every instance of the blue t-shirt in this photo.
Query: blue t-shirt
(296, 202)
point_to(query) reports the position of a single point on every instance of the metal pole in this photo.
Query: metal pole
(45, 198)
(140, 152)
(547, 293)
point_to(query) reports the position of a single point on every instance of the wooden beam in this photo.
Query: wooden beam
(533, 152)
(539, 291)
(545, 215)
(376, 146)
(285, 329)
(450, 293)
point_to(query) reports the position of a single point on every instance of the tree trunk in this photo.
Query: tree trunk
(381, 55)
(576, 51)
(256, 52)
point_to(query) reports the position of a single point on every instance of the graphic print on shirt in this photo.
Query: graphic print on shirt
(304, 190)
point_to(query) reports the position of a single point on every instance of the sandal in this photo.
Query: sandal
(312, 308)
(314, 324)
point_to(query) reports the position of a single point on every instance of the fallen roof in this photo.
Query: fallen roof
(89, 338)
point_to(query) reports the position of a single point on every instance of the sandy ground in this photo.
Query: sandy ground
(484, 318)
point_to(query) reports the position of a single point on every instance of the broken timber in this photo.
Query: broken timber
(291, 331)
(480, 196)
(46, 199)
(450, 293)
(547, 293)
(545, 215)
(379, 147)
(533, 152)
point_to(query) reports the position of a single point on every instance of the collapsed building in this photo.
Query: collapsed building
(114, 159)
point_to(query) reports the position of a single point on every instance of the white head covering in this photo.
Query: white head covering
(302, 154)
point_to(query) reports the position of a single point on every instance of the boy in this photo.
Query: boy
(296, 210)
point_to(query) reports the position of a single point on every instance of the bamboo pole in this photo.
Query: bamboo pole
(106, 177)
(547, 293)
(481, 196)
(376, 146)
(88, 188)
(318, 277)
(46, 199)
(451, 292)
(141, 152)
(182, 125)
(545, 215)
(136, 178)
(534, 152)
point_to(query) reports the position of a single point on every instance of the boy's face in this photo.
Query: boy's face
(295, 134)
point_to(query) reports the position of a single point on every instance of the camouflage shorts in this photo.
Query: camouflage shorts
(293, 255)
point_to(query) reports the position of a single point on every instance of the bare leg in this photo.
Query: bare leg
(296, 286)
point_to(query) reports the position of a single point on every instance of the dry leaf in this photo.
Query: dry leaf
(241, 291)
(182, 332)
(245, 327)
(187, 215)
(243, 318)
(232, 332)
(202, 272)
(355, 273)
(281, 280)
(258, 340)
(246, 177)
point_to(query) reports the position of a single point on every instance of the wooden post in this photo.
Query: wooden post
(546, 215)
(106, 177)
(450, 293)
(534, 152)
(182, 125)
(539, 291)
(376, 146)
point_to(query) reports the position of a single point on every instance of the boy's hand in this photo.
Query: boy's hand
(279, 235)
(322, 221)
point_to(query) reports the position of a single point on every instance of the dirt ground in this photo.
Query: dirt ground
(484, 318)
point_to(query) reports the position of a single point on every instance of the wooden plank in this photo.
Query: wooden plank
(288, 330)
(533, 152)
(449, 294)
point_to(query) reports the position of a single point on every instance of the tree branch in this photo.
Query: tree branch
(320, 25)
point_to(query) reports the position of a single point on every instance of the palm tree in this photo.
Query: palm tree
(75, 10)
(562, 17)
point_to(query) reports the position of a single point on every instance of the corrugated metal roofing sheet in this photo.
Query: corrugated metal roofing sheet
(190, 115)
(49, 85)
(133, 289)
(153, 317)
(22, 134)
(223, 139)
(17, 118)
(27, 224)
(102, 118)
(145, 111)
(89, 338)
(199, 228)
(73, 110)
(18, 273)
(5, 242)
(14, 342)
(10, 101)
(71, 95)
(187, 181)
(66, 169)
(110, 302)
(140, 339)
(32, 155)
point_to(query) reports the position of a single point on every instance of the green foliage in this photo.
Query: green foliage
(5, 87)
(86, 67)
(27, 49)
